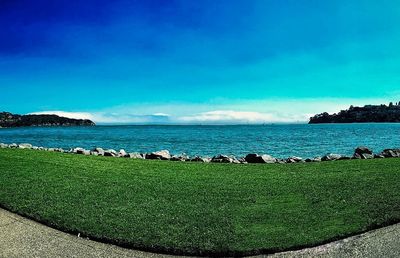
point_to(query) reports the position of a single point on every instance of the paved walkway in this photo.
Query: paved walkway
(21, 237)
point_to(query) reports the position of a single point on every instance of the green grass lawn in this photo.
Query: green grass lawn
(201, 209)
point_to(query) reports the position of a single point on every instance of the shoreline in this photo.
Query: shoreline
(360, 152)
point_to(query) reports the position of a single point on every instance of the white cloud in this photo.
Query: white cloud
(232, 116)
(110, 117)
(221, 111)
(161, 114)
(76, 115)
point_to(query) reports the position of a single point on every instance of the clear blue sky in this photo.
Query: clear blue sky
(197, 61)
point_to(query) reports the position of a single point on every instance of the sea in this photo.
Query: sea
(278, 140)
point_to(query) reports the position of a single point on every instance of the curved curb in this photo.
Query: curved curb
(22, 237)
(382, 242)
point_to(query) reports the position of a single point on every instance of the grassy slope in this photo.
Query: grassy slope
(197, 208)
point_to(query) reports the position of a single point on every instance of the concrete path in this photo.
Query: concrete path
(21, 237)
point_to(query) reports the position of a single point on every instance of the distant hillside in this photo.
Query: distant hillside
(11, 120)
(366, 114)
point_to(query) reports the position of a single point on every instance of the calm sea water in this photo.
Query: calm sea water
(278, 140)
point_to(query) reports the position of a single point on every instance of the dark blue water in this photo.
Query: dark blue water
(277, 140)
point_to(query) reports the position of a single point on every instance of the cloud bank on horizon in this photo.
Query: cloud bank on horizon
(209, 61)
(272, 111)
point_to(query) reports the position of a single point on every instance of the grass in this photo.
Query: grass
(201, 209)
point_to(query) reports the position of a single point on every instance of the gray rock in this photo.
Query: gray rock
(224, 159)
(363, 156)
(25, 146)
(236, 161)
(367, 156)
(99, 151)
(3, 145)
(379, 156)
(363, 150)
(122, 153)
(13, 145)
(281, 161)
(110, 153)
(255, 158)
(78, 150)
(344, 158)
(161, 155)
(200, 159)
(294, 159)
(136, 155)
(317, 159)
(391, 153)
(94, 153)
(331, 157)
(182, 157)
(242, 161)
(363, 153)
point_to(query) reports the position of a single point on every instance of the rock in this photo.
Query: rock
(362, 150)
(94, 153)
(363, 153)
(367, 156)
(379, 156)
(200, 159)
(242, 161)
(182, 157)
(78, 150)
(224, 159)
(110, 153)
(317, 159)
(255, 158)
(122, 153)
(331, 157)
(99, 151)
(161, 155)
(363, 156)
(13, 145)
(235, 160)
(391, 153)
(3, 145)
(344, 158)
(25, 146)
(136, 155)
(35, 148)
(294, 159)
(281, 161)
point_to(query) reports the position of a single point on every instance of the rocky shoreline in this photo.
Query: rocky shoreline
(359, 153)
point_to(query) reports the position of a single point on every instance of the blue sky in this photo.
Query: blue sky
(205, 61)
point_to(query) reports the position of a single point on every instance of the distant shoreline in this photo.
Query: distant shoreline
(366, 114)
